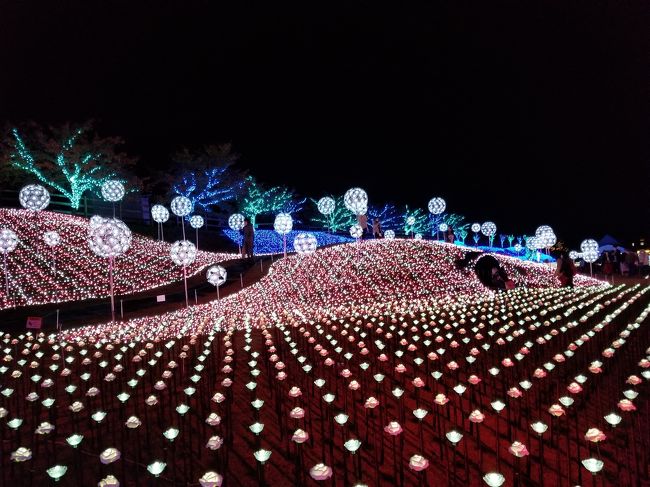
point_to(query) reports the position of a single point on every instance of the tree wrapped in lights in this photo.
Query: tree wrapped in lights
(415, 221)
(388, 216)
(70, 161)
(259, 200)
(183, 253)
(338, 219)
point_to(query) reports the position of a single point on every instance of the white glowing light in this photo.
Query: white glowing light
(197, 221)
(109, 237)
(418, 236)
(533, 243)
(410, 221)
(326, 205)
(305, 243)
(489, 229)
(183, 253)
(545, 236)
(8, 241)
(283, 223)
(437, 206)
(112, 191)
(34, 197)
(443, 227)
(236, 222)
(216, 275)
(356, 231)
(476, 227)
(181, 206)
(52, 238)
(356, 200)
(159, 213)
(589, 248)
(573, 255)
(389, 234)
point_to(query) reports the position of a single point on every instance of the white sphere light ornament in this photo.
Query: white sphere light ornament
(183, 253)
(181, 206)
(34, 197)
(236, 221)
(159, 213)
(112, 191)
(197, 221)
(8, 241)
(437, 206)
(389, 234)
(356, 231)
(443, 227)
(109, 237)
(418, 236)
(305, 243)
(216, 275)
(283, 223)
(573, 255)
(533, 243)
(326, 205)
(476, 227)
(410, 221)
(589, 248)
(545, 236)
(356, 200)
(489, 229)
(52, 238)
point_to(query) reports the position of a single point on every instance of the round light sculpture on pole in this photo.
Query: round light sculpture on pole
(8, 242)
(326, 205)
(160, 215)
(197, 222)
(112, 191)
(545, 236)
(183, 253)
(437, 206)
(489, 229)
(109, 238)
(236, 223)
(418, 236)
(34, 197)
(443, 227)
(476, 227)
(283, 224)
(573, 255)
(216, 276)
(589, 248)
(305, 243)
(52, 239)
(356, 200)
(356, 231)
(389, 234)
(182, 206)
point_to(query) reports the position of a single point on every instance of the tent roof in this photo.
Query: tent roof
(608, 240)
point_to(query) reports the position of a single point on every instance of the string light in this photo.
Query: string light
(389, 234)
(109, 238)
(437, 206)
(356, 231)
(216, 275)
(183, 253)
(196, 221)
(236, 222)
(8, 241)
(305, 243)
(283, 223)
(326, 205)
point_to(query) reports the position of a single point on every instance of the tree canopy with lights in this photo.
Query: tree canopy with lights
(339, 219)
(259, 200)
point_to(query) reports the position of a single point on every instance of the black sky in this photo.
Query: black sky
(524, 112)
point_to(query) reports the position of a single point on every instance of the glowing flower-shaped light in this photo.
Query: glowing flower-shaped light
(595, 435)
(418, 463)
(352, 445)
(112, 191)
(356, 200)
(593, 465)
(518, 449)
(74, 440)
(489, 229)
(52, 238)
(494, 479)
(182, 206)
(454, 436)
(443, 227)
(389, 234)
(183, 253)
(545, 236)
(171, 433)
(34, 197)
(356, 231)
(283, 223)
(539, 427)
(393, 428)
(22, 454)
(236, 222)
(216, 275)
(305, 243)
(109, 455)
(8, 241)
(320, 471)
(300, 436)
(156, 468)
(159, 213)
(57, 472)
(196, 221)
(437, 206)
(589, 248)
(262, 455)
(109, 481)
(326, 205)
(109, 238)
(211, 479)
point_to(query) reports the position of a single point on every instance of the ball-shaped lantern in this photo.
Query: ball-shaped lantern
(34, 197)
(589, 248)
(159, 213)
(216, 275)
(533, 243)
(545, 236)
(489, 229)
(326, 205)
(356, 231)
(476, 227)
(518, 247)
(356, 200)
(112, 191)
(52, 238)
(443, 227)
(283, 223)
(437, 206)
(109, 238)
(389, 234)
(573, 255)
(305, 243)
(182, 206)
(197, 221)
(418, 236)
(183, 253)
(236, 222)
(410, 221)
(8, 241)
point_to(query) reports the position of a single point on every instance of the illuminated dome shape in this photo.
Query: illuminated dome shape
(589, 245)
(8, 241)
(183, 253)
(96, 220)
(181, 206)
(573, 255)
(159, 213)
(476, 227)
(533, 243)
(197, 221)
(443, 227)
(112, 191)
(418, 236)
(109, 238)
(216, 275)
(236, 222)
(326, 205)
(437, 206)
(52, 238)
(356, 231)
(34, 197)
(305, 243)
(356, 200)
(389, 234)
(283, 223)
(545, 236)
(489, 229)
(590, 256)
(410, 221)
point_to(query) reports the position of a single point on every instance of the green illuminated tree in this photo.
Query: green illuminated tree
(420, 221)
(340, 219)
(71, 161)
(258, 200)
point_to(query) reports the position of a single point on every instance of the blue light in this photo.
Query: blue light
(270, 242)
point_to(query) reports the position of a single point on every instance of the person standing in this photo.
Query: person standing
(376, 228)
(362, 221)
(566, 269)
(248, 233)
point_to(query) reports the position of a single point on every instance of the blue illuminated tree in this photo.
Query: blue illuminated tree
(388, 216)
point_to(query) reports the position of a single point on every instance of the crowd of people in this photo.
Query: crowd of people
(623, 263)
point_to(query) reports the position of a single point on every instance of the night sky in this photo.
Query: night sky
(524, 113)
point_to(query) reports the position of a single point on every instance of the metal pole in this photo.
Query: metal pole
(121, 308)
(6, 276)
(241, 279)
(218, 293)
(110, 278)
(183, 224)
(197, 239)
(57, 320)
(196, 297)
(187, 301)
(285, 245)
(162, 232)
(261, 266)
